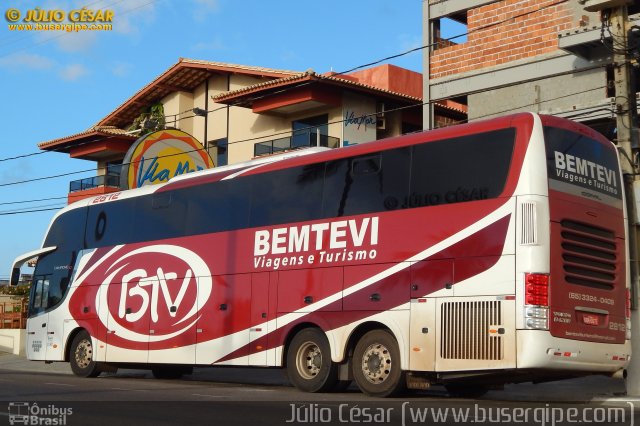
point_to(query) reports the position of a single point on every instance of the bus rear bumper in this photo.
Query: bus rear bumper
(539, 349)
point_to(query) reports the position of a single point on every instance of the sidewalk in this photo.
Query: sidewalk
(598, 389)
(9, 361)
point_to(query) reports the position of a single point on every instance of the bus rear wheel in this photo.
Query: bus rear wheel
(81, 356)
(376, 364)
(309, 364)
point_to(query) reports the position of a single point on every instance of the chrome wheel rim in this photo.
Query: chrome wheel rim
(84, 353)
(376, 363)
(308, 360)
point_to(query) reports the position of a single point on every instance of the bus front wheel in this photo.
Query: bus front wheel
(309, 364)
(81, 356)
(376, 364)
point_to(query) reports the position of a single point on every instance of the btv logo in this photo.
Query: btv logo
(161, 285)
(132, 289)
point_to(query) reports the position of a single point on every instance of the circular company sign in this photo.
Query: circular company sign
(159, 156)
(161, 287)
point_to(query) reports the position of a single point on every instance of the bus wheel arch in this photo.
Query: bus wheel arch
(308, 360)
(67, 346)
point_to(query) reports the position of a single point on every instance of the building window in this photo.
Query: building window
(220, 148)
(113, 168)
(310, 131)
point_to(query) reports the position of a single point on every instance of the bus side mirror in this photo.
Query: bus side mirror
(15, 276)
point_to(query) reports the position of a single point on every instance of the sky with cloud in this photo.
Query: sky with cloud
(55, 83)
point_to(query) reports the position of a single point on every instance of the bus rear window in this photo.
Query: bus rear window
(579, 165)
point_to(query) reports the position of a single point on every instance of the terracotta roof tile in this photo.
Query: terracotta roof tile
(309, 75)
(96, 130)
(185, 74)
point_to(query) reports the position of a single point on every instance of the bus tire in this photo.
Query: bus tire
(309, 364)
(81, 356)
(376, 364)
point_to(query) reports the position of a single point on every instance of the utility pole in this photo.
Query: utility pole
(626, 111)
(615, 11)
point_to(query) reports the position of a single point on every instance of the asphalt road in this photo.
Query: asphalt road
(239, 396)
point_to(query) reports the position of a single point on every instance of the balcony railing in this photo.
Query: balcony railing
(13, 314)
(94, 182)
(301, 140)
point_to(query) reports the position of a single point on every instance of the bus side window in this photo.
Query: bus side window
(109, 224)
(39, 295)
(216, 207)
(51, 279)
(366, 166)
(367, 184)
(159, 216)
(67, 231)
(466, 168)
(289, 195)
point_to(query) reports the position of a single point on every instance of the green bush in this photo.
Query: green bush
(20, 290)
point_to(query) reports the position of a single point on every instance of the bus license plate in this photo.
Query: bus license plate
(590, 319)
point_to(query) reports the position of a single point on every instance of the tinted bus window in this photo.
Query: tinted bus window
(67, 231)
(289, 195)
(51, 279)
(160, 216)
(54, 270)
(463, 169)
(220, 206)
(110, 224)
(579, 165)
(368, 183)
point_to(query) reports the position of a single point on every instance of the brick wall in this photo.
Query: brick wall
(522, 37)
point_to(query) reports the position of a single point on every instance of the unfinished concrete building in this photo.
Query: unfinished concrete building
(545, 56)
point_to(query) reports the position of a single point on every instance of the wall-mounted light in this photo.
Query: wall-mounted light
(199, 112)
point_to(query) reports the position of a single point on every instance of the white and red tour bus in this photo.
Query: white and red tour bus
(469, 256)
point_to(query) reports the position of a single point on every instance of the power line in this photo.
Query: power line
(287, 132)
(340, 121)
(435, 44)
(7, 213)
(32, 201)
(419, 48)
(45, 178)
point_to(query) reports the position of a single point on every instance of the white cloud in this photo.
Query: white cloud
(216, 44)
(17, 171)
(121, 69)
(26, 60)
(129, 16)
(80, 41)
(73, 72)
(203, 8)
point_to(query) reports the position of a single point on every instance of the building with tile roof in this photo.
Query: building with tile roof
(240, 112)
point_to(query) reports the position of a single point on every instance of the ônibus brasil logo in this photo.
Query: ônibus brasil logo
(160, 288)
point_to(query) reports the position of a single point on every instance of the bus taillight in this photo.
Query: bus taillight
(536, 288)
